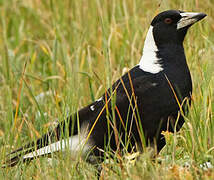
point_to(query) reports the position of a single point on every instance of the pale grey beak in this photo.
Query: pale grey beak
(189, 18)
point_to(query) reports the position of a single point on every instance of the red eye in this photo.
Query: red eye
(168, 20)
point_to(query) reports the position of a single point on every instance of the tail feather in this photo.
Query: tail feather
(11, 162)
(18, 155)
(43, 141)
(44, 146)
(74, 144)
(54, 147)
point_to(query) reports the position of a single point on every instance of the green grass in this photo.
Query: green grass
(76, 50)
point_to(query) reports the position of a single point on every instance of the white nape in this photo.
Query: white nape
(149, 61)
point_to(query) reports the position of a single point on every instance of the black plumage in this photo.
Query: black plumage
(151, 97)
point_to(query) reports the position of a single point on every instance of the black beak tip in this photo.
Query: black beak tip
(201, 16)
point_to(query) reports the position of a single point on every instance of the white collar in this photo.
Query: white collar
(149, 61)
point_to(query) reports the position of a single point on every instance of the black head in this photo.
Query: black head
(171, 26)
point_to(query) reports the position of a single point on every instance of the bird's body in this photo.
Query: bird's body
(150, 97)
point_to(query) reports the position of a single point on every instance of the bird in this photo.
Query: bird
(150, 98)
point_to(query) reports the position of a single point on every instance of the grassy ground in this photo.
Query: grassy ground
(74, 50)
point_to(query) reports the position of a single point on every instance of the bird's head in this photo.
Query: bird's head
(171, 26)
(167, 31)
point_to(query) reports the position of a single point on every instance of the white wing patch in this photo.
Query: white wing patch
(100, 99)
(154, 84)
(149, 61)
(92, 107)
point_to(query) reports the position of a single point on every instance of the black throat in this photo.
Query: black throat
(171, 57)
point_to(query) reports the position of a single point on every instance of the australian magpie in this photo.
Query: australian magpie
(152, 97)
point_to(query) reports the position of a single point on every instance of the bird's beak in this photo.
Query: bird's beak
(189, 18)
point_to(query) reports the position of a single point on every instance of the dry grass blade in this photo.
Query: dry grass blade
(19, 96)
